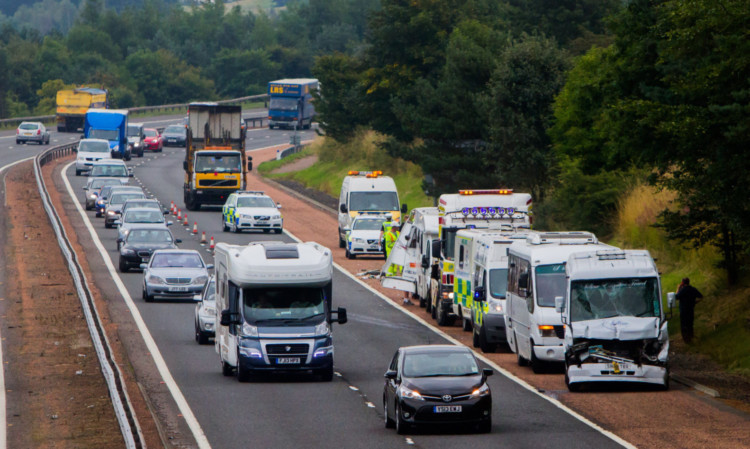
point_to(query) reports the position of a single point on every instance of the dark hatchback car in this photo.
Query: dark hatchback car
(436, 384)
(141, 243)
(174, 136)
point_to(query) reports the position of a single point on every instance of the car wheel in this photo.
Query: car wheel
(485, 426)
(572, 387)
(123, 266)
(466, 323)
(442, 316)
(266, 231)
(428, 306)
(78, 172)
(200, 337)
(389, 423)
(278, 231)
(348, 254)
(475, 339)
(88, 207)
(226, 369)
(342, 243)
(537, 366)
(401, 426)
(146, 296)
(235, 228)
(485, 345)
(224, 227)
(243, 375)
(519, 359)
(107, 225)
(326, 374)
(18, 142)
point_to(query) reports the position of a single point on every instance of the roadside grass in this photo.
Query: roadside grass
(722, 319)
(362, 153)
(268, 166)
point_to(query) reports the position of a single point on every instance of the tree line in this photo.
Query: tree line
(571, 100)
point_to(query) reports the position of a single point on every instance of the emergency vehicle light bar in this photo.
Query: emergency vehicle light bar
(256, 192)
(486, 192)
(369, 174)
(488, 211)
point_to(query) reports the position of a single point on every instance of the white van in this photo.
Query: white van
(367, 191)
(615, 327)
(536, 277)
(90, 151)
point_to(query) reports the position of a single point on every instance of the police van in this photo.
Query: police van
(615, 326)
(480, 209)
(481, 281)
(274, 307)
(536, 277)
(367, 191)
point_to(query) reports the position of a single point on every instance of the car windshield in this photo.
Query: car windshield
(210, 292)
(134, 131)
(607, 298)
(218, 163)
(373, 201)
(89, 146)
(258, 201)
(109, 170)
(304, 305)
(104, 193)
(498, 282)
(119, 198)
(434, 364)
(283, 104)
(177, 260)
(106, 134)
(151, 204)
(28, 126)
(149, 236)
(99, 183)
(150, 133)
(368, 225)
(550, 282)
(144, 216)
(175, 130)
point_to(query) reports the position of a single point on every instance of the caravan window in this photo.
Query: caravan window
(550, 282)
(304, 306)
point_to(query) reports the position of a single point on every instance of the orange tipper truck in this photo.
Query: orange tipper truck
(72, 105)
(215, 163)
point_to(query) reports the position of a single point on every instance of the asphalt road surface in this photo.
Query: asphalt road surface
(297, 411)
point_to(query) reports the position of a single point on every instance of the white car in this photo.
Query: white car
(32, 132)
(90, 151)
(364, 236)
(251, 210)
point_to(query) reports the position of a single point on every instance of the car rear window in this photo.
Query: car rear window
(28, 126)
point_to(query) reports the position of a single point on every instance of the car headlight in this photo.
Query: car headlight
(110, 212)
(450, 295)
(200, 280)
(208, 310)
(153, 279)
(484, 390)
(125, 232)
(275, 217)
(246, 216)
(322, 328)
(248, 330)
(251, 352)
(495, 306)
(408, 393)
(127, 252)
(358, 240)
(92, 197)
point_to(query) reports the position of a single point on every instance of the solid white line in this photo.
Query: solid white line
(3, 415)
(481, 356)
(161, 365)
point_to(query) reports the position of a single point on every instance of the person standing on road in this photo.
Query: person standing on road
(688, 296)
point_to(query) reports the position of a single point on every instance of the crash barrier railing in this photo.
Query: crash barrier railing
(164, 107)
(126, 418)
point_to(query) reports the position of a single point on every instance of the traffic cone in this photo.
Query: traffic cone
(179, 215)
(195, 227)
(211, 245)
(203, 238)
(185, 222)
(171, 207)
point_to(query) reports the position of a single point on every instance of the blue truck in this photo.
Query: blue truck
(291, 103)
(111, 125)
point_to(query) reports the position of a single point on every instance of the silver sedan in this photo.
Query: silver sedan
(205, 314)
(174, 273)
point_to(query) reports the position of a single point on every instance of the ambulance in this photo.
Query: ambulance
(367, 191)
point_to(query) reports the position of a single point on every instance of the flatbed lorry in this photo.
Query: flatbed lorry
(72, 105)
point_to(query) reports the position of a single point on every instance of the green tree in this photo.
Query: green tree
(340, 108)
(48, 96)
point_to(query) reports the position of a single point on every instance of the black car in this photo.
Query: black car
(436, 384)
(141, 243)
(174, 136)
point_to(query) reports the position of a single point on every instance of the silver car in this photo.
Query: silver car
(205, 314)
(114, 205)
(32, 132)
(174, 273)
(94, 188)
(141, 218)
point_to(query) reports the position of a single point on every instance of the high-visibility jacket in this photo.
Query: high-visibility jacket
(390, 240)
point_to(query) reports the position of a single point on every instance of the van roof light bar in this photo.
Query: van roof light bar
(254, 192)
(368, 174)
(616, 254)
(485, 192)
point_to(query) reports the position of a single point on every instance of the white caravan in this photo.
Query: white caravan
(274, 308)
(616, 329)
(536, 276)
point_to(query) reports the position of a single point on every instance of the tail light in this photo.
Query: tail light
(38, 132)
(447, 279)
(18, 132)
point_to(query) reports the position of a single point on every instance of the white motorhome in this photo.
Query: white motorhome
(485, 209)
(536, 277)
(481, 282)
(367, 191)
(616, 329)
(274, 306)
(413, 252)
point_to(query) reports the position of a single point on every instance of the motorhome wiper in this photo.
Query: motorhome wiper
(311, 316)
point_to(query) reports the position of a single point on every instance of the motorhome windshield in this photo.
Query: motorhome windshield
(373, 201)
(106, 134)
(607, 298)
(498, 282)
(218, 163)
(449, 241)
(303, 306)
(550, 282)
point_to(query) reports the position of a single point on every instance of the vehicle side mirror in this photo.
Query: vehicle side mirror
(343, 208)
(479, 294)
(249, 166)
(559, 304)
(390, 374)
(340, 316)
(278, 205)
(487, 372)
(85, 188)
(425, 261)
(404, 209)
(347, 229)
(143, 266)
(226, 317)
(184, 165)
(166, 212)
(197, 297)
(436, 248)
(169, 223)
(210, 266)
(130, 174)
(178, 240)
(670, 299)
(117, 222)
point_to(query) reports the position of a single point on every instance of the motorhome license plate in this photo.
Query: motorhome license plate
(178, 289)
(287, 360)
(620, 368)
(447, 409)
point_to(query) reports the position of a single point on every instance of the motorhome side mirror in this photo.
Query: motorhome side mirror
(178, 240)
(166, 212)
(226, 318)
(343, 208)
(169, 223)
(435, 248)
(425, 261)
(210, 266)
(390, 374)
(404, 209)
(479, 294)
(85, 188)
(278, 205)
(340, 315)
(487, 372)
(130, 174)
(559, 304)
(184, 165)
(670, 299)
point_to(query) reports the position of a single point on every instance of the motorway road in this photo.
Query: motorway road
(297, 411)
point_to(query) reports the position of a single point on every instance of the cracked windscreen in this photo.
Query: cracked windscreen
(607, 298)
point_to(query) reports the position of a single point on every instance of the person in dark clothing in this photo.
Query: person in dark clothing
(688, 296)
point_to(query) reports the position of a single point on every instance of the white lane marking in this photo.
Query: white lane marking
(161, 365)
(3, 416)
(481, 356)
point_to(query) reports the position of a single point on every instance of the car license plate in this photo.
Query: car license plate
(178, 289)
(287, 360)
(447, 409)
(28, 134)
(172, 140)
(619, 368)
(144, 259)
